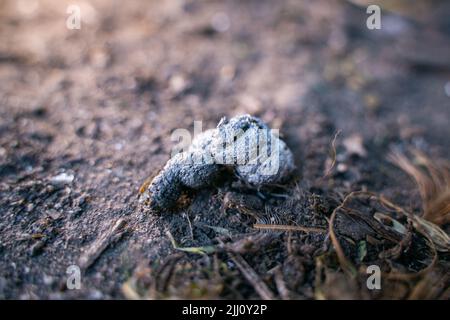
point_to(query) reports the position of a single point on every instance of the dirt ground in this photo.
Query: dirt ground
(87, 117)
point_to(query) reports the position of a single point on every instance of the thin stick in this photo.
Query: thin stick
(251, 276)
(100, 244)
(283, 227)
(418, 227)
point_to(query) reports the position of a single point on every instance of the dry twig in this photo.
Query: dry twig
(251, 276)
(100, 244)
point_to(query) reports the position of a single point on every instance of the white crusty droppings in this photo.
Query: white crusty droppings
(244, 144)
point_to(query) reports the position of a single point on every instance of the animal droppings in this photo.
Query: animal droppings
(244, 144)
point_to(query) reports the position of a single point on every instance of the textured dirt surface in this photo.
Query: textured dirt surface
(99, 104)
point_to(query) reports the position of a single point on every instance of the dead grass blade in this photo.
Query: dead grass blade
(334, 154)
(319, 293)
(197, 250)
(101, 243)
(419, 227)
(129, 291)
(433, 182)
(437, 236)
(432, 286)
(346, 265)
